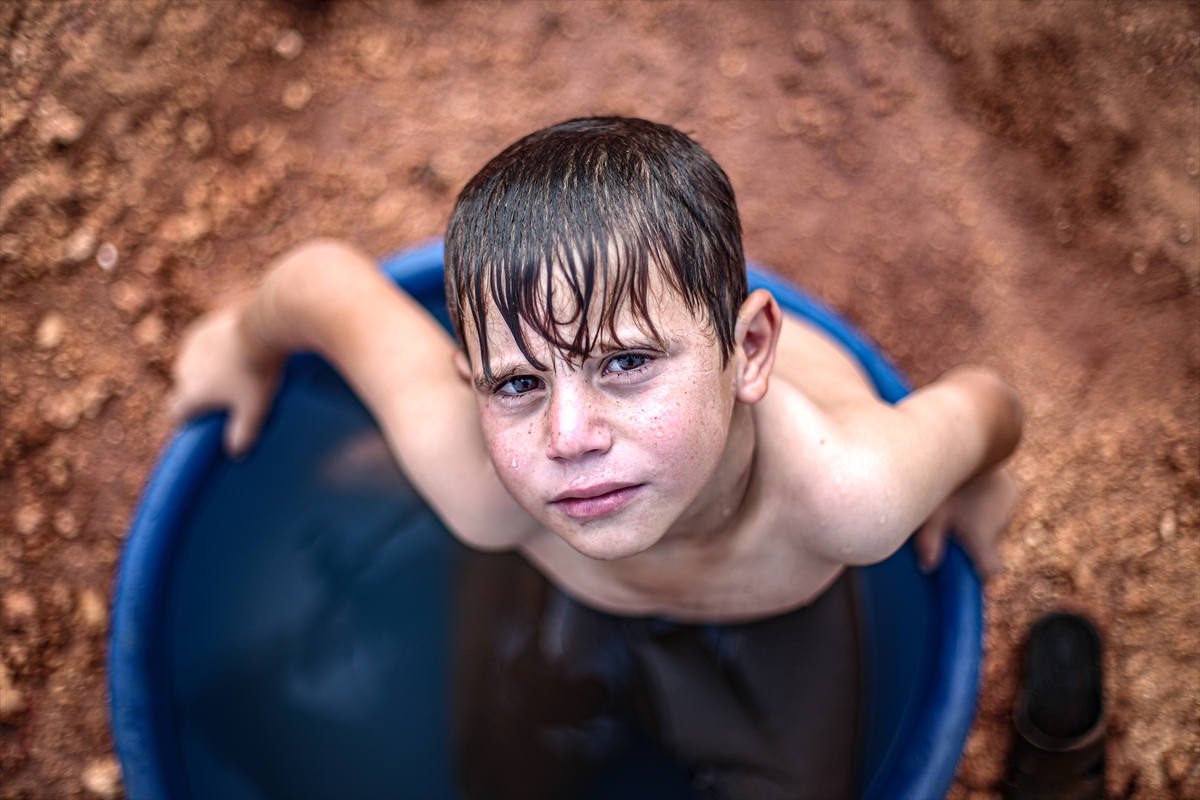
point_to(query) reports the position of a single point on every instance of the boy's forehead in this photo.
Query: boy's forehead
(667, 313)
(627, 324)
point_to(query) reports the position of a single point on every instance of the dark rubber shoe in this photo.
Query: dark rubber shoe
(1059, 750)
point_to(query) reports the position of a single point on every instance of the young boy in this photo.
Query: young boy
(605, 413)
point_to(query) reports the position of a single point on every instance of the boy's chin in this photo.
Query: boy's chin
(604, 545)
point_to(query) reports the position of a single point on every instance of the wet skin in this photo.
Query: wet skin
(632, 444)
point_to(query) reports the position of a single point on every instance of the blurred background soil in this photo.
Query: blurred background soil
(1009, 184)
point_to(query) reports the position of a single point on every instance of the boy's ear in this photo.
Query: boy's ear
(463, 366)
(755, 337)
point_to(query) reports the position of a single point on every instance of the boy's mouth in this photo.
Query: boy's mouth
(596, 501)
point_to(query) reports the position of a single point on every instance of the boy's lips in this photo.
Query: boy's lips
(596, 501)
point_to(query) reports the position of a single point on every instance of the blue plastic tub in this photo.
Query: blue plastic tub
(281, 627)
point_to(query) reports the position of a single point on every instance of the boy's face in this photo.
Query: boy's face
(610, 451)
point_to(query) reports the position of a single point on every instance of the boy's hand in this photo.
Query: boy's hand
(977, 513)
(217, 369)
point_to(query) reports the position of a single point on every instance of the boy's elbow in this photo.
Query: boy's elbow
(323, 256)
(315, 275)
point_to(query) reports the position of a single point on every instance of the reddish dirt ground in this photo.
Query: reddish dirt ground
(1004, 184)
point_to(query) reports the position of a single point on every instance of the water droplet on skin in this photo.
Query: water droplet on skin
(514, 462)
(1139, 263)
(837, 479)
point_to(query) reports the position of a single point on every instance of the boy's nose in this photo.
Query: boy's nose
(576, 428)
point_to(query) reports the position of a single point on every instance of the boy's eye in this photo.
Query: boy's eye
(519, 385)
(628, 362)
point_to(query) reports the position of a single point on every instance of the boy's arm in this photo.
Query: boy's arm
(933, 458)
(977, 513)
(328, 298)
(979, 509)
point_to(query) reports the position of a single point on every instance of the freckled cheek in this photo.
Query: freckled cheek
(693, 432)
(679, 433)
(512, 447)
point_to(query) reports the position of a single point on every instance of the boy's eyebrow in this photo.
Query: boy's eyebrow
(642, 341)
(604, 347)
(500, 376)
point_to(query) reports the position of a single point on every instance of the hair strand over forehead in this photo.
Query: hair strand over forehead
(590, 207)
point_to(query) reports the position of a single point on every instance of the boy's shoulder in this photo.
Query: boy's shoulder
(820, 369)
(817, 446)
(819, 396)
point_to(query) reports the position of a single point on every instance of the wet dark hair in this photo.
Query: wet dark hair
(595, 202)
